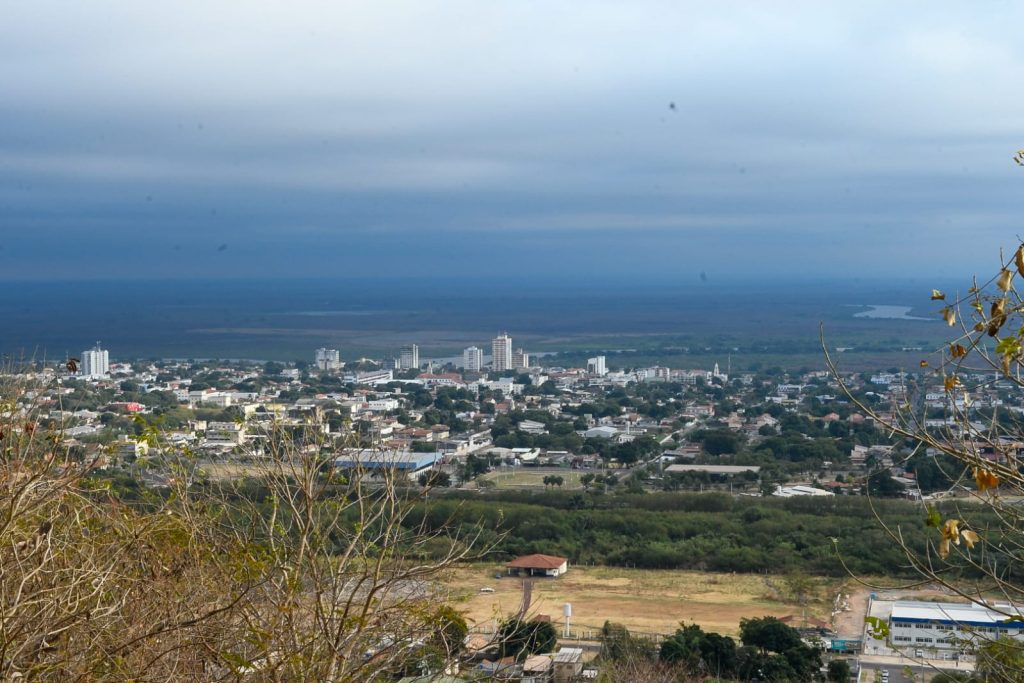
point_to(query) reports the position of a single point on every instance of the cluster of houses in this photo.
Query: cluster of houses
(230, 405)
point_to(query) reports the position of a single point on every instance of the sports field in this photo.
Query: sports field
(509, 478)
(647, 601)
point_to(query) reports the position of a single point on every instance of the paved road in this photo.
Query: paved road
(919, 672)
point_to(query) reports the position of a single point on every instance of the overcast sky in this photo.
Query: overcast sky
(185, 139)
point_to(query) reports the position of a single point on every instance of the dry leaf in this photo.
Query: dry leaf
(1018, 259)
(1005, 280)
(949, 315)
(937, 295)
(970, 538)
(924, 364)
(957, 350)
(950, 382)
(984, 479)
(997, 316)
(950, 533)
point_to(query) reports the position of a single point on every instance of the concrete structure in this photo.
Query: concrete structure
(328, 359)
(95, 363)
(409, 357)
(501, 352)
(537, 565)
(520, 359)
(800, 490)
(713, 469)
(373, 377)
(596, 366)
(949, 626)
(567, 664)
(401, 461)
(473, 359)
(603, 432)
(532, 427)
(225, 433)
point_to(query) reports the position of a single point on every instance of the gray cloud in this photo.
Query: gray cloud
(137, 138)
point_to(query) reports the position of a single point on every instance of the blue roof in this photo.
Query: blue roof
(369, 459)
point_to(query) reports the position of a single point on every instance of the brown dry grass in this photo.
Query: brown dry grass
(650, 601)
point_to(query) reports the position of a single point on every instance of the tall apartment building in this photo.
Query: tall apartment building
(501, 351)
(328, 359)
(596, 366)
(409, 358)
(473, 359)
(95, 362)
(520, 359)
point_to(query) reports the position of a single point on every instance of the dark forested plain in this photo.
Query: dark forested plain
(710, 531)
(682, 323)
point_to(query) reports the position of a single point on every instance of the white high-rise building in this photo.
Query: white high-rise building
(409, 357)
(328, 359)
(95, 362)
(520, 359)
(596, 366)
(473, 359)
(501, 351)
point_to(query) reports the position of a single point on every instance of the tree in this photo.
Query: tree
(435, 478)
(618, 645)
(769, 634)
(839, 671)
(518, 637)
(699, 652)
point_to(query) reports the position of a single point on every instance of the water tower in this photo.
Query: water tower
(567, 611)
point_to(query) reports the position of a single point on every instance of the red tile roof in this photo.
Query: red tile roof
(536, 562)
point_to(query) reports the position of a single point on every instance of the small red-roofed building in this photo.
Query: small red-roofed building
(537, 565)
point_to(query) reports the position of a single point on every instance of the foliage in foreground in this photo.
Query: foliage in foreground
(972, 548)
(316, 578)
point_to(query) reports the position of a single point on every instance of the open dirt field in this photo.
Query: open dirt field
(649, 601)
(530, 478)
(226, 470)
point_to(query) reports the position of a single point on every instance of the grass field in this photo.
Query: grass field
(520, 478)
(647, 601)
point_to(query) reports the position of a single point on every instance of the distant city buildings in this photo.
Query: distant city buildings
(328, 359)
(596, 366)
(409, 357)
(501, 352)
(95, 362)
(473, 359)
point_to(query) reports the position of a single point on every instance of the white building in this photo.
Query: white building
(473, 359)
(95, 362)
(225, 433)
(409, 358)
(501, 351)
(800, 490)
(328, 359)
(520, 359)
(945, 626)
(596, 366)
(382, 405)
(371, 377)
